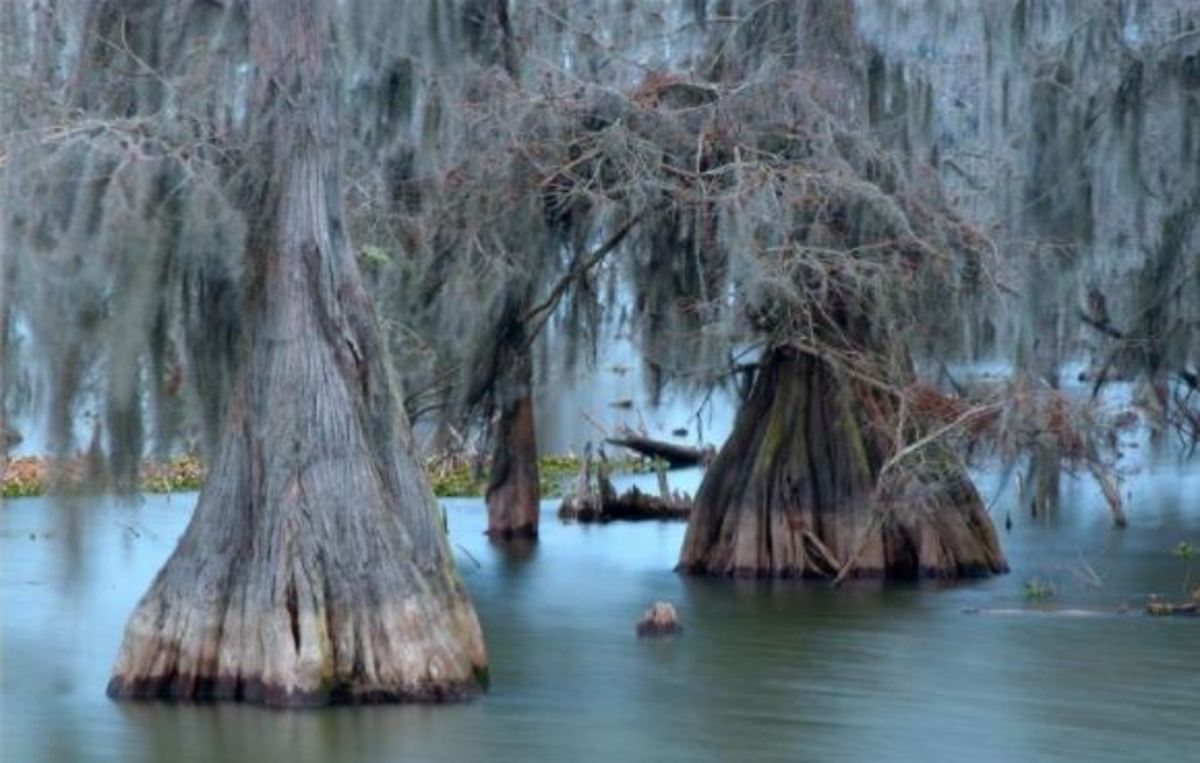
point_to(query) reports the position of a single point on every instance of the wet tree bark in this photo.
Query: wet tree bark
(1040, 360)
(6, 437)
(513, 488)
(793, 492)
(314, 569)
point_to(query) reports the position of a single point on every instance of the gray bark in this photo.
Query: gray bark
(314, 569)
(793, 492)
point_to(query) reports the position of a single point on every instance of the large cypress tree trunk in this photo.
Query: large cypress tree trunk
(793, 491)
(315, 568)
(513, 490)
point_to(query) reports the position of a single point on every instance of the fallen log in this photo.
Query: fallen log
(674, 454)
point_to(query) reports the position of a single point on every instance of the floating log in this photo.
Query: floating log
(674, 454)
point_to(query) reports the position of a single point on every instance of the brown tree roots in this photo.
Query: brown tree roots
(792, 493)
(308, 586)
(315, 568)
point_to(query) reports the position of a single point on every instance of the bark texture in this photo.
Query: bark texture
(315, 568)
(513, 488)
(792, 492)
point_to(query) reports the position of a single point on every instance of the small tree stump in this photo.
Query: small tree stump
(659, 620)
(594, 498)
(1162, 608)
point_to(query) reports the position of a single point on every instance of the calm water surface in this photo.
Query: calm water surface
(783, 671)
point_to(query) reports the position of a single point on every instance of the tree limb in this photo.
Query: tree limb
(546, 307)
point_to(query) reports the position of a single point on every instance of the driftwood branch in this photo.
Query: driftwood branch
(674, 454)
(830, 559)
(881, 506)
(1103, 326)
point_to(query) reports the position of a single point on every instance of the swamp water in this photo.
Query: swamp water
(764, 671)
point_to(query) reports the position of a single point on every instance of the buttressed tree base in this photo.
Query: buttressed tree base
(315, 568)
(793, 492)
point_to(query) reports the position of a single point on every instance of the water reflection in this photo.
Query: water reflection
(763, 671)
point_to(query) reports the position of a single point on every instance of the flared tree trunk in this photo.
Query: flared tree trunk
(793, 492)
(315, 568)
(513, 490)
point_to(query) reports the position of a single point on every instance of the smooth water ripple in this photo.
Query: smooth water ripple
(784, 671)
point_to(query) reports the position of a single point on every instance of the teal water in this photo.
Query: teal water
(783, 671)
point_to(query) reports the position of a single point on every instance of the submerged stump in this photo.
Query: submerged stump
(792, 492)
(631, 506)
(594, 499)
(513, 491)
(660, 619)
(1162, 608)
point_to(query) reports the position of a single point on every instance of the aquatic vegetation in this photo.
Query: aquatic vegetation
(451, 477)
(29, 476)
(1186, 552)
(1036, 589)
(24, 477)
